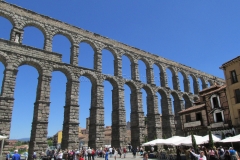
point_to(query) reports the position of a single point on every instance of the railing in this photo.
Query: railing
(192, 124)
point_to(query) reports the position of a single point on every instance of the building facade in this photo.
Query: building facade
(232, 76)
(210, 112)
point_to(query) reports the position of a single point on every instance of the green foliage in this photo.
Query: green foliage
(194, 144)
(223, 136)
(50, 142)
(211, 144)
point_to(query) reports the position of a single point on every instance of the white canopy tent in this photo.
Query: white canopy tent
(2, 138)
(187, 141)
(231, 139)
(172, 140)
(153, 142)
(215, 138)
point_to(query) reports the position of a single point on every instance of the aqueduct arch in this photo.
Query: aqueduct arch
(13, 52)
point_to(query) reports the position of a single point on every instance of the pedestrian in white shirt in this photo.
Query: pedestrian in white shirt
(200, 156)
(115, 154)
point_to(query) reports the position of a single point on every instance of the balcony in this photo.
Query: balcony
(192, 124)
(218, 124)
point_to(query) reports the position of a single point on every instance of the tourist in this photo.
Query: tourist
(141, 151)
(227, 155)
(120, 152)
(106, 156)
(93, 153)
(34, 155)
(25, 155)
(8, 156)
(134, 152)
(124, 152)
(60, 155)
(233, 154)
(110, 152)
(145, 156)
(200, 156)
(89, 151)
(115, 154)
(16, 156)
(85, 154)
(213, 154)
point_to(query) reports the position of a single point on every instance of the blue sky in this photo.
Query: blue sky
(200, 34)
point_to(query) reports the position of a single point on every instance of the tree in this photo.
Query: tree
(50, 142)
(211, 144)
(194, 144)
(223, 136)
(146, 139)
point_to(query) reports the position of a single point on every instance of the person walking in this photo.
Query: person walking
(233, 154)
(115, 154)
(16, 156)
(8, 156)
(124, 152)
(145, 156)
(106, 155)
(200, 156)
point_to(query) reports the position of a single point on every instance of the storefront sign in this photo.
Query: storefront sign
(192, 124)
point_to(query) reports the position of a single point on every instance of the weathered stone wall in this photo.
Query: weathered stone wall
(13, 54)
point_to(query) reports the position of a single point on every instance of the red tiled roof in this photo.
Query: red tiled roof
(209, 88)
(216, 90)
(192, 108)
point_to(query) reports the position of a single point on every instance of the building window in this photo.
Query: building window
(237, 95)
(215, 101)
(188, 118)
(198, 116)
(219, 117)
(234, 77)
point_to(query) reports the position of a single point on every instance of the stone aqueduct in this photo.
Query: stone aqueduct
(13, 54)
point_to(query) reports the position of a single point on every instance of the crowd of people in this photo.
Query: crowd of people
(201, 153)
(212, 153)
(90, 153)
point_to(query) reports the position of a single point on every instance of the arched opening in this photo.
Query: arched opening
(169, 78)
(167, 115)
(181, 81)
(159, 104)
(57, 99)
(107, 103)
(2, 69)
(34, 37)
(62, 45)
(25, 97)
(187, 101)
(201, 85)
(191, 84)
(172, 100)
(127, 103)
(177, 105)
(5, 28)
(126, 67)
(156, 73)
(86, 56)
(144, 108)
(107, 62)
(142, 68)
(84, 101)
